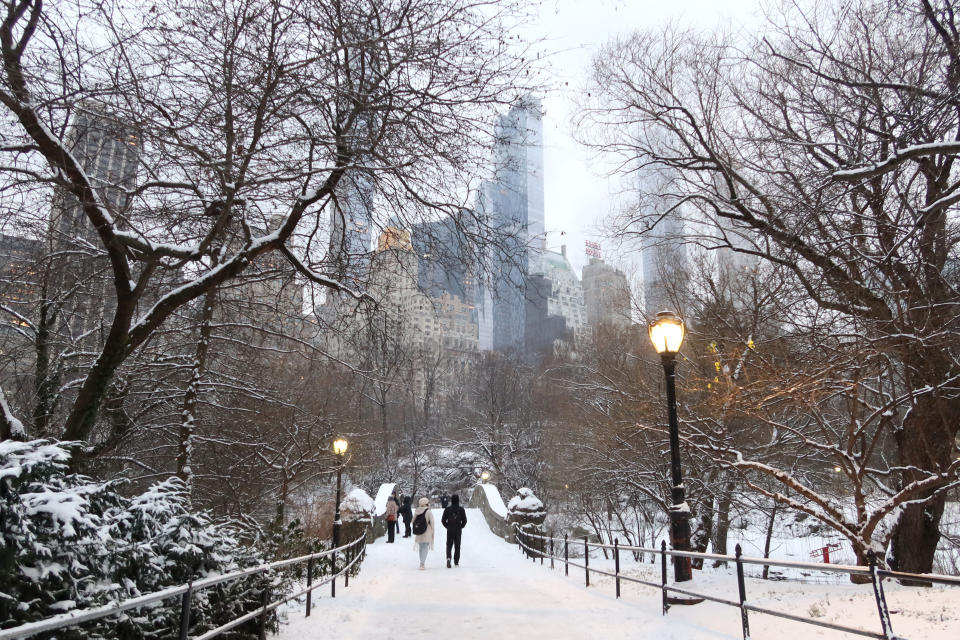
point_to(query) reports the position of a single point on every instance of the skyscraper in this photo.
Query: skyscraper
(108, 150)
(513, 206)
(351, 224)
(664, 260)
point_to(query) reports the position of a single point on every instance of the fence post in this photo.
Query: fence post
(586, 559)
(616, 562)
(348, 555)
(880, 597)
(333, 574)
(262, 625)
(566, 556)
(185, 612)
(663, 574)
(743, 595)
(543, 550)
(309, 582)
(551, 552)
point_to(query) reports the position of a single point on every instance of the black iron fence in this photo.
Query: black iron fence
(340, 560)
(536, 546)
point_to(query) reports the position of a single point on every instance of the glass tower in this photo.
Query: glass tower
(513, 204)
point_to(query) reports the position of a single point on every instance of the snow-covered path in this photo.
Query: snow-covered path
(494, 593)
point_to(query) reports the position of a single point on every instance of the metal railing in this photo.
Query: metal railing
(353, 553)
(536, 546)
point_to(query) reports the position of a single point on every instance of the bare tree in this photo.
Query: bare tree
(245, 114)
(827, 148)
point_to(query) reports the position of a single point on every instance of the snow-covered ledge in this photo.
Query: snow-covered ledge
(487, 498)
(379, 527)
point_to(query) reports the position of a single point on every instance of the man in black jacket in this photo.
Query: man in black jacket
(407, 514)
(454, 519)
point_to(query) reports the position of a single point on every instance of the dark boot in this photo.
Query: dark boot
(448, 563)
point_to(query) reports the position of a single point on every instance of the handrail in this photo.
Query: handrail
(72, 618)
(793, 564)
(525, 540)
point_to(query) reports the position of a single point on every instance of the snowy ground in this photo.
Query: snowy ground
(496, 593)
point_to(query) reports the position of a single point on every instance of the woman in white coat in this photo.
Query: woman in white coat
(424, 541)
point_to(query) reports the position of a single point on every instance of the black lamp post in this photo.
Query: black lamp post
(666, 333)
(340, 449)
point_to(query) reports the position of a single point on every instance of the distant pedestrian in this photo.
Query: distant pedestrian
(391, 518)
(406, 512)
(444, 500)
(423, 529)
(454, 519)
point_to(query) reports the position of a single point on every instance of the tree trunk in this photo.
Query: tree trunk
(83, 416)
(45, 385)
(701, 537)
(926, 442)
(766, 544)
(189, 414)
(722, 530)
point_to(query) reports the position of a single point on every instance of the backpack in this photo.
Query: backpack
(420, 524)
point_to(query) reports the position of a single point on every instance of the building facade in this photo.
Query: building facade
(606, 295)
(108, 150)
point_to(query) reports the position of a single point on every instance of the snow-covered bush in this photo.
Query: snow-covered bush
(69, 542)
(526, 508)
(357, 506)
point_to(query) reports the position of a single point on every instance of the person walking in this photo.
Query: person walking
(444, 501)
(423, 529)
(406, 512)
(391, 517)
(454, 519)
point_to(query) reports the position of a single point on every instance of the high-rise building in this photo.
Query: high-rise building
(108, 151)
(445, 262)
(563, 295)
(19, 282)
(513, 205)
(664, 261)
(351, 224)
(606, 295)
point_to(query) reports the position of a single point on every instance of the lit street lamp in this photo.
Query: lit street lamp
(339, 449)
(485, 476)
(666, 334)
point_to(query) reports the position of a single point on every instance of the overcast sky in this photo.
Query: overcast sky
(577, 194)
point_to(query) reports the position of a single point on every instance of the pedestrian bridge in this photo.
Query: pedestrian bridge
(494, 593)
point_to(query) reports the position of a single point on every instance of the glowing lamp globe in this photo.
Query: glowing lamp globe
(485, 476)
(339, 446)
(666, 332)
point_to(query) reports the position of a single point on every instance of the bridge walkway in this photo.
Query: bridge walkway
(494, 593)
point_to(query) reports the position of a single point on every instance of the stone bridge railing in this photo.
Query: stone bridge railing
(486, 497)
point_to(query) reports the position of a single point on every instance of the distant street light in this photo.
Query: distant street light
(666, 334)
(339, 449)
(485, 476)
